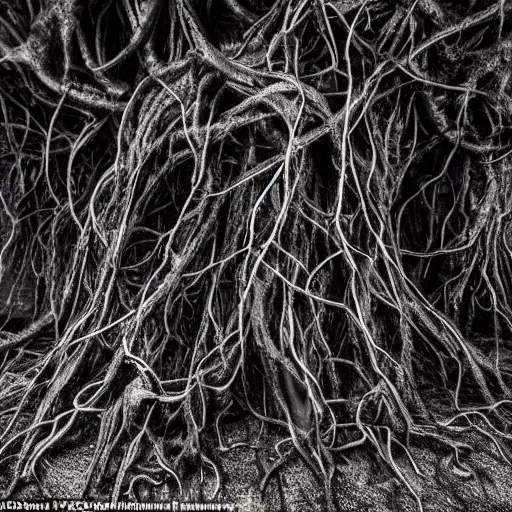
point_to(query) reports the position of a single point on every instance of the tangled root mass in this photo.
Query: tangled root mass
(296, 210)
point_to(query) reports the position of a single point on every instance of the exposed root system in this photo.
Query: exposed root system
(297, 210)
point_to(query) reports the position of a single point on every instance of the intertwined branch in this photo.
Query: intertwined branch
(298, 210)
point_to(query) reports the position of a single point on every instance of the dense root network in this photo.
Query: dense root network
(297, 210)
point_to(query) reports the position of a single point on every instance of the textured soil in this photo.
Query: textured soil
(360, 484)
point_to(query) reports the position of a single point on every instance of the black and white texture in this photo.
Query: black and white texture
(257, 251)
